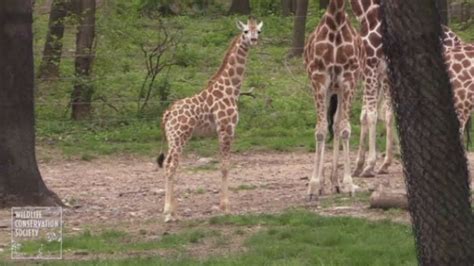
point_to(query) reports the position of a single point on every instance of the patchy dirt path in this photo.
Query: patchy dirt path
(129, 190)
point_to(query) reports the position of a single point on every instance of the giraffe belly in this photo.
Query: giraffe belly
(205, 130)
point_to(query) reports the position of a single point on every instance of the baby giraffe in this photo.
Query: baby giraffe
(214, 109)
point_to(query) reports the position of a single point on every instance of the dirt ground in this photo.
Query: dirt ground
(127, 190)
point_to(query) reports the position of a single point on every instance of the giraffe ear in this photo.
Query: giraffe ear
(260, 25)
(240, 25)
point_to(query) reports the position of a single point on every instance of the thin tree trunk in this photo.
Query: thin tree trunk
(240, 7)
(20, 179)
(53, 46)
(299, 29)
(83, 89)
(434, 161)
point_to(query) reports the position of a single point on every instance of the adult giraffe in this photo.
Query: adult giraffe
(214, 109)
(334, 61)
(376, 86)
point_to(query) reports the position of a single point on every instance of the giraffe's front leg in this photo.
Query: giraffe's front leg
(226, 136)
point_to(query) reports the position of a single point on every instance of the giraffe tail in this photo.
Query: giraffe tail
(161, 158)
(467, 131)
(330, 115)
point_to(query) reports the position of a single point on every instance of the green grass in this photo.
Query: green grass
(295, 237)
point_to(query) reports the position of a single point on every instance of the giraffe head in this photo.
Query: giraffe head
(250, 31)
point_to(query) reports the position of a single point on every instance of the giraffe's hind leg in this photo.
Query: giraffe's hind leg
(321, 84)
(177, 135)
(335, 185)
(368, 121)
(171, 164)
(345, 134)
(360, 159)
(389, 132)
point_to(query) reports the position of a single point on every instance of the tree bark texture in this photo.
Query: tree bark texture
(20, 179)
(433, 156)
(299, 29)
(442, 6)
(53, 46)
(83, 89)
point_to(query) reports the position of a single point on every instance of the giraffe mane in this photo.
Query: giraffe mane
(224, 61)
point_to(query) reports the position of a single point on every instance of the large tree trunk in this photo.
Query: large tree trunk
(299, 29)
(240, 7)
(83, 89)
(53, 46)
(20, 180)
(432, 152)
(442, 6)
(323, 4)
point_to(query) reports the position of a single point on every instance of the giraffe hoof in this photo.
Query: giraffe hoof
(357, 171)
(367, 173)
(383, 170)
(224, 208)
(313, 197)
(349, 188)
(170, 218)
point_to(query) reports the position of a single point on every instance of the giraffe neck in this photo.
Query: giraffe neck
(450, 39)
(363, 9)
(230, 75)
(336, 11)
(336, 6)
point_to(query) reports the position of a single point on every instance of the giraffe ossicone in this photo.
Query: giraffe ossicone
(213, 110)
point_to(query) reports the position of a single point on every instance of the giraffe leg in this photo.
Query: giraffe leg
(226, 136)
(170, 171)
(389, 140)
(367, 119)
(372, 128)
(315, 186)
(335, 186)
(345, 135)
(177, 136)
(316, 183)
(360, 159)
